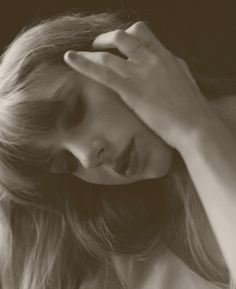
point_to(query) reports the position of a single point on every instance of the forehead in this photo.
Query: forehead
(48, 82)
(52, 83)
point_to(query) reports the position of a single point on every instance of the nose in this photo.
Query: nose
(90, 154)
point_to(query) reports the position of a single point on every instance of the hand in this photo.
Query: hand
(154, 83)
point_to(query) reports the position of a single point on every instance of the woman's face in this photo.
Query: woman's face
(111, 144)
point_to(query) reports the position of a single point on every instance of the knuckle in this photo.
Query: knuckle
(184, 66)
(118, 35)
(154, 59)
(182, 63)
(140, 26)
(137, 28)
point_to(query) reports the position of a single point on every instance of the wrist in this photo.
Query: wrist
(204, 133)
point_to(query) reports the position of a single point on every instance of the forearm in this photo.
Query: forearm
(210, 156)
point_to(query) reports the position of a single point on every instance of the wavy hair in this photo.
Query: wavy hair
(56, 230)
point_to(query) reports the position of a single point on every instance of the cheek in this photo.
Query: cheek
(161, 160)
(159, 157)
(167, 159)
(109, 110)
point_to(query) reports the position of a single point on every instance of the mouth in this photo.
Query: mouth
(127, 162)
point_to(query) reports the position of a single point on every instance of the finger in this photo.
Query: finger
(109, 60)
(143, 34)
(121, 40)
(146, 37)
(94, 70)
(186, 69)
(183, 65)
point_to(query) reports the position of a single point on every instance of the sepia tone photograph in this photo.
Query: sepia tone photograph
(118, 144)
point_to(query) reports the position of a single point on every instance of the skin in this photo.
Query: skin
(105, 129)
(175, 109)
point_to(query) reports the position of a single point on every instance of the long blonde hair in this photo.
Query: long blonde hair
(57, 231)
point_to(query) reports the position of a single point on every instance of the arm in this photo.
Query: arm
(210, 156)
(162, 93)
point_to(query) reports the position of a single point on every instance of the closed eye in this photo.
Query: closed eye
(74, 113)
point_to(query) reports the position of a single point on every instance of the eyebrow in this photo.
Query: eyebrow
(67, 89)
(60, 92)
(68, 95)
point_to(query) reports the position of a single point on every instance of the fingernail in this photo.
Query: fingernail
(70, 55)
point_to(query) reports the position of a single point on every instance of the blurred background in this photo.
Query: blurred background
(206, 30)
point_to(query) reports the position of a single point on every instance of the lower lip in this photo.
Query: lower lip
(133, 162)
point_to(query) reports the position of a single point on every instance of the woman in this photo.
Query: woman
(124, 118)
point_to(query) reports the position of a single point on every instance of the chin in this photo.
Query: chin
(154, 175)
(156, 172)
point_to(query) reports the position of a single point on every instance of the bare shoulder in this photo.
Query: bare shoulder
(179, 275)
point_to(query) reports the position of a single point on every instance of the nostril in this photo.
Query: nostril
(100, 152)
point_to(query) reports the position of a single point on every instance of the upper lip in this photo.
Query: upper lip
(122, 160)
